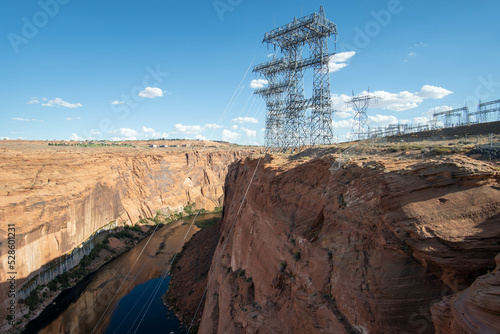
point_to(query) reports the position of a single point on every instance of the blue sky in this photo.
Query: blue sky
(142, 69)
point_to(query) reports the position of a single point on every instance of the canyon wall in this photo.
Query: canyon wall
(367, 248)
(57, 198)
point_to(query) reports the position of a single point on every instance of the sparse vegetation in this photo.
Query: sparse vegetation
(282, 266)
(296, 256)
(207, 222)
(33, 299)
(188, 209)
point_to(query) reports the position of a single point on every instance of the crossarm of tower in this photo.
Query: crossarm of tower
(300, 31)
(272, 89)
(450, 112)
(484, 104)
(282, 64)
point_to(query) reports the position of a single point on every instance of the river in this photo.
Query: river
(123, 296)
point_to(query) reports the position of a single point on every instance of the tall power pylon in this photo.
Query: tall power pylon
(287, 122)
(360, 104)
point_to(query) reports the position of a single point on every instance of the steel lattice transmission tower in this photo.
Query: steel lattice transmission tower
(360, 125)
(287, 124)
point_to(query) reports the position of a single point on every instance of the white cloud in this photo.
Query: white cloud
(33, 100)
(126, 134)
(244, 120)
(406, 100)
(75, 137)
(151, 92)
(411, 54)
(200, 137)
(26, 119)
(344, 114)
(147, 130)
(258, 83)
(343, 124)
(250, 133)
(4, 138)
(390, 101)
(188, 129)
(151, 133)
(430, 112)
(229, 136)
(382, 119)
(73, 118)
(60, 102)
(420, 120)
(117, 102)
(339, 60)
(397, 101)
(334, 67)
(339, 103)
(433, 92)
(213, 126)
(235, 127)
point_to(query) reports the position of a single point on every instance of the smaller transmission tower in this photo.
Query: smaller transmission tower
(360, 104)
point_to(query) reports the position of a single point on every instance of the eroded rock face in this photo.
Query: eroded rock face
(367, 248)
(474, 310)
(57, 197)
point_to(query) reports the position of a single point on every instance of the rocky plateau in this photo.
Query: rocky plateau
(379, 245)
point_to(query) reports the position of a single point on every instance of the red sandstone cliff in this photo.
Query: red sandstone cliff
(367, 248)
(59, 196)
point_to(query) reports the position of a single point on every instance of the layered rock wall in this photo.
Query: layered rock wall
(367, 248)
(58, 198)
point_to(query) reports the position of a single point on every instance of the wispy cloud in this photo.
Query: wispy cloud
(245, 120)
(188, 129)
(391, 101)
(58, 102)
(26, 119)
(213, 126)
(73, 118)
(339, 60)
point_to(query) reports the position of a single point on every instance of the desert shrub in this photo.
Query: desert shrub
(207, 222)
(32, 300)
(282, 266)
(52, 285)
(442, 150)
(85, 261)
